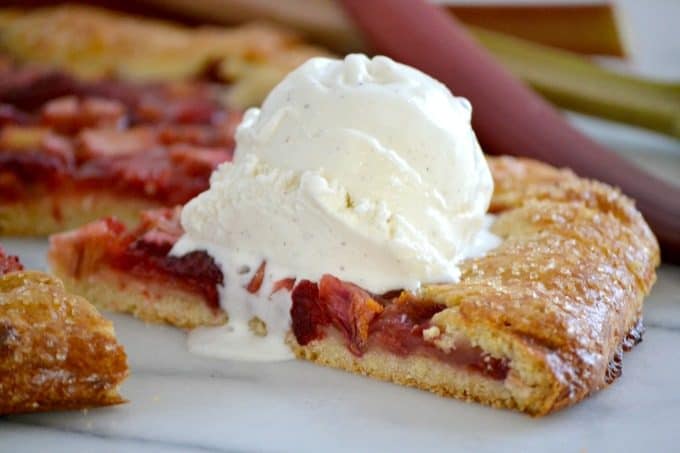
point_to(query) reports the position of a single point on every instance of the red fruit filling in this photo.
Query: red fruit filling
(391, 323)
(156, 141)
(256, 282)
(144, 253)
(9, 263)
(285, 284)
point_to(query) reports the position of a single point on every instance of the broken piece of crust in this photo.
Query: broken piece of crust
(56, 350)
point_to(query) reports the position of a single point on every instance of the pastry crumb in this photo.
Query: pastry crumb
(431, 333)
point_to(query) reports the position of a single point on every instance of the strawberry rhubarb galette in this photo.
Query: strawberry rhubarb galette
(360, 226)
(537, 324)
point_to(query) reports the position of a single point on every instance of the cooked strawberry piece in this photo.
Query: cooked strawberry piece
(58, 145)
(216, 135)
(193, 134)
(164, 219)
(350, 308)
(68, 114)
(62, 114)
(101, 112)
(308, 316)
(400, 327)
(155, 108)
(192, 111)
(396, 325)
(255, 283)
(9, 263)
(106, 142)
(285, 284)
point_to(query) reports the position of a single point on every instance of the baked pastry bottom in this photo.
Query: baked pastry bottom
(151, 301)
(558, 301)
(537, 398)
(413, 371)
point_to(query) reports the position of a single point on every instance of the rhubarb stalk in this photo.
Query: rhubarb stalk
(574, 83)
(508, 117)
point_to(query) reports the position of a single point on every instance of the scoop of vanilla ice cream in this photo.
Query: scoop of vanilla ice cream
(365, 169)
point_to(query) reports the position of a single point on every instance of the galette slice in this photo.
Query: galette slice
(536, 324)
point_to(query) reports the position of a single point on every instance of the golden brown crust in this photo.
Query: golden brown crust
(413, 371)
(93, 42)
(56, 351)
(557, 298)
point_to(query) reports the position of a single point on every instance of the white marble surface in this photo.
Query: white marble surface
(180, 402)
(188, 403)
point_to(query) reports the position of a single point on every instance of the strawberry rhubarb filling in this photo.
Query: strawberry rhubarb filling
(142, 253)
(155, 142)
(9, 263)
(395, 323)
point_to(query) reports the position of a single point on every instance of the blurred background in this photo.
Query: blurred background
(557, 46)
(612, 66)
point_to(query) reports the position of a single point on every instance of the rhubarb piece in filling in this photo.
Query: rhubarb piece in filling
(9, 263)
(398, 324)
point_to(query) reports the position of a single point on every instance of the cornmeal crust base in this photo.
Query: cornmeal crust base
(54, 212)
(56, 351)
(558, 298)
(413, 371)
